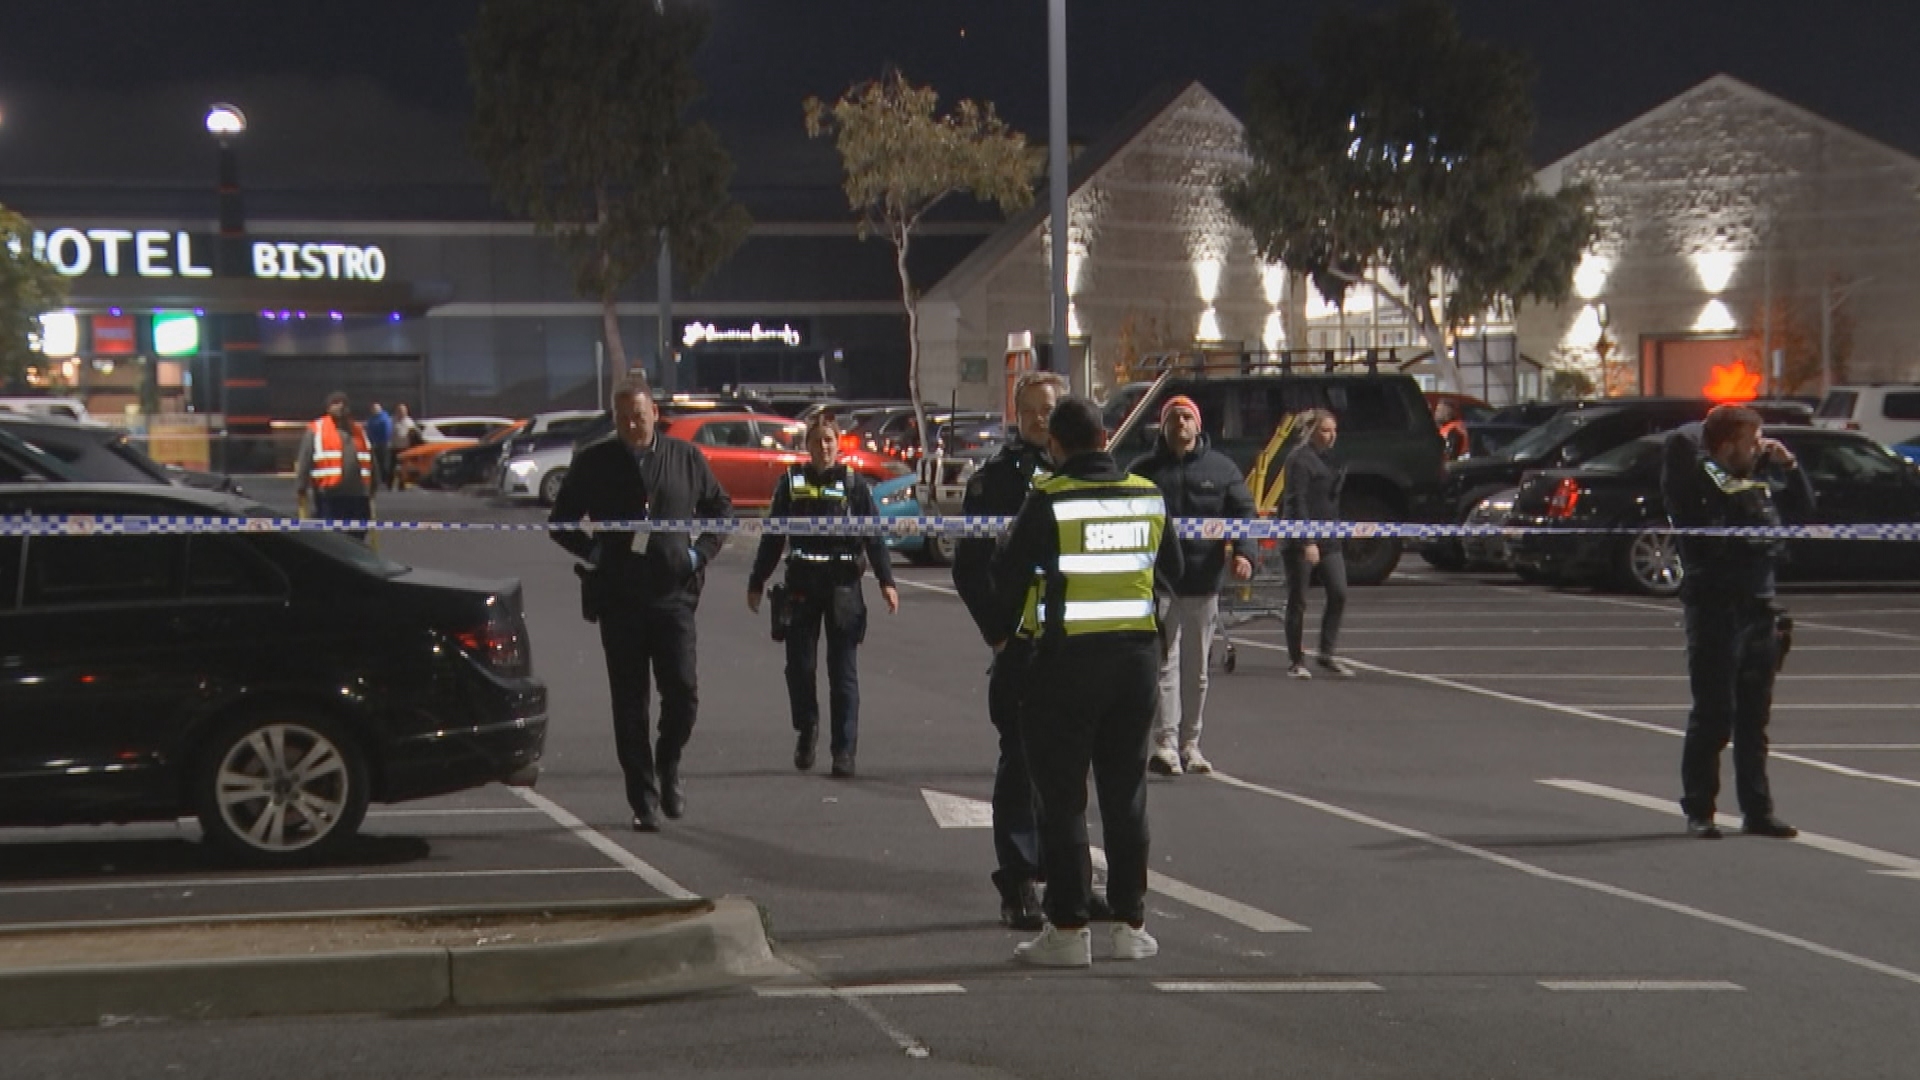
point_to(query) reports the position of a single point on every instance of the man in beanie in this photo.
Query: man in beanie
(1196, 481)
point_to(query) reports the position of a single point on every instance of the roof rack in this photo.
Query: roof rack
(1237, 362)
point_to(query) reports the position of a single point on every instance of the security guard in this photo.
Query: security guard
(1086, 550)
(1730, 477)
(997, 489)
(823, 586)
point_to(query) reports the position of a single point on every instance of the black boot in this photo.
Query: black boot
(803, 747)
(673, 798)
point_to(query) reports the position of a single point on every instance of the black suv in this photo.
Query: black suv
(1573, 436)
(1394, 456)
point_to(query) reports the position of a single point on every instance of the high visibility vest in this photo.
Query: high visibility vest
(328, 450)
(828, 498)
(1454, 433)
(1102, 583)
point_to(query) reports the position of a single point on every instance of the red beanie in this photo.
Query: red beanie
(1179, 401)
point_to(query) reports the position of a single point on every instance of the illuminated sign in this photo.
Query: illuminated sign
(156, 253)
(59, 334)
(696, 332)
(1731, 383)
(149, 253)
(112, 335)
(175, 333)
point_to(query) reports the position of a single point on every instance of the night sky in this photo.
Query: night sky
(346, 92)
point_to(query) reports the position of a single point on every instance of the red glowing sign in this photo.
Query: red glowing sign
(1731, 383)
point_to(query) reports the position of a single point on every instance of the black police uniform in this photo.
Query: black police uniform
(997, 489)
(1089, 698)
(1728, 592)
(823, 587)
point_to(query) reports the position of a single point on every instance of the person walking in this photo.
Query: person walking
(1076, 577)
(336, 466)
(1311, 492)
(645, 601)
(823, 588)
(1453, 431)
(380, 438)
(997, 489)
(1732, 476)
(406, 436)
(1196, 481)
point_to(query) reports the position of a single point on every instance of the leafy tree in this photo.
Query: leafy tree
(580, 118)
(902, 160)
(28, 287)
(1408, 153)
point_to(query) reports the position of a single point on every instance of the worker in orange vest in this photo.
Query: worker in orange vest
(336, 465)
(1451, 429)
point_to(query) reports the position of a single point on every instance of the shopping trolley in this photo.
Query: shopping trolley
(1264, 596)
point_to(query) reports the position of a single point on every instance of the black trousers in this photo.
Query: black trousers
(843, 631)
(645, 644)
(1333, 576)
(1016, 809)
(1090, 701)
(1730, 664)
(343, 508)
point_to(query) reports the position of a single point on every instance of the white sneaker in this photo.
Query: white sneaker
(1192, 760)
(1164, 761)
(1338, 667)
(1299, 671)
(1133, 943)
(1058, 948)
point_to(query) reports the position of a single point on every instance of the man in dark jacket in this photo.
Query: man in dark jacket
(1311, 483)
(997, 489)
(1730, 477)
(644, 600)
(823, 587)
(1077, 577)
(1197, 482)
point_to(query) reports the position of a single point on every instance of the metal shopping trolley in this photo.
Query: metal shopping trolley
(1264, 596)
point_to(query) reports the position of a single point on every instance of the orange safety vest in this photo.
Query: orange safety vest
(1455, 434)
(327, 452)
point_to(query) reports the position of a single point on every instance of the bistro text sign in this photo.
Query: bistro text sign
(156, 253)
(791, 333)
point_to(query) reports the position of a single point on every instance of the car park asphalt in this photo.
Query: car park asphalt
(1465, 861)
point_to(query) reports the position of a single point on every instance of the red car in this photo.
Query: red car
(749, 453)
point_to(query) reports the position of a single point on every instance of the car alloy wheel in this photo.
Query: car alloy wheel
(281, 789)
(939, 550)
(1652, 563)
(550, 486)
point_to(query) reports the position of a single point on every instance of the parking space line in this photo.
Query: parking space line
(1588, 884)
(1885, 860)
(1243, 638)
(1270, 986)
(870, 990)
(1799, 622)
(472, 811)
(301, 879)
(927, 585)
(1573, 677)
(1590, 714)
(1845, 746)
(1778, 707)
(1639, 985)
(639, 867)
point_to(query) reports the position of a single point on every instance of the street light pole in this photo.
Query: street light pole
(236, 332)
(663, 305)
(1060, 354)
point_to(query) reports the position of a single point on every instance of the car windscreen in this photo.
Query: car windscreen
(1629, 457)
(89, 460)
(1541, 440)
(124, 449)
(1839, 405)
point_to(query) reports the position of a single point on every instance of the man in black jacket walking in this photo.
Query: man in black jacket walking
(1197, 481)
(1730, 477)
(997, 489)
(644, 600)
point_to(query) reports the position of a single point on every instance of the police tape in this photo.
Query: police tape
(959, 527)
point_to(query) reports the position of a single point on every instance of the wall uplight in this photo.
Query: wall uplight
(1273, 277)
(1586, 329)
(1274, 334)
(1715, 269)
(1206, 274)
(1591, 275)
(1715, 318)
(1209, 326)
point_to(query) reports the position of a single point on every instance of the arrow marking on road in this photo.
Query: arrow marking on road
(960, 812)
(1894, 864)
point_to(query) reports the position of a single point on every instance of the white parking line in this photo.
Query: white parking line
(1657, 985)
(471, 811)
(1904, 865)
(873, 990)
(1590, 714)
(1799, 622)
(1778, 707)
(1542, 873)
(168, 884)
(639, 867)
(1271, 986)
(1845, 746)
(1573, 677)
(1243, 637)
(928, 585)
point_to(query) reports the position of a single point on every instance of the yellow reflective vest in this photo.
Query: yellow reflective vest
(1102, 583)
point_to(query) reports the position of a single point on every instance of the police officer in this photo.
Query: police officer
(997, 489)
(1085, 549)
(1730, 477)
(823, 587)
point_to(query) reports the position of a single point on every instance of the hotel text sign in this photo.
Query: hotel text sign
(158, 253)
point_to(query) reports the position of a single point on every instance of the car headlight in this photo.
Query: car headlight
(522, 468)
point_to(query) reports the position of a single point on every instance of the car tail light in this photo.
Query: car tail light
(1565, 498)
(500, 643)
(849, 441)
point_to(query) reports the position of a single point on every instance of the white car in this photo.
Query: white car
(65, 408)
(1888, 413)
(460, 429)
(536, 474)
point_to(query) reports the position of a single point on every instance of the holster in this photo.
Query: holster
(779, 610)
(1782, 638)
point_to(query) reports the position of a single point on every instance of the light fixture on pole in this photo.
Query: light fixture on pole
(226, 122)
(1059, 356)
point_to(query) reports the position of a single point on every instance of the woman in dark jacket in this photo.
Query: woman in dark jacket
(1312, 493)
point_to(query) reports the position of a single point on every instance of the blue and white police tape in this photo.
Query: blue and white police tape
(955, 527)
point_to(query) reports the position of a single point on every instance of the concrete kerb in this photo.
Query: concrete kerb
(673, 948)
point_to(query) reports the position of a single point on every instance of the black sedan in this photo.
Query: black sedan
(271, 684)
(1856, 481)
(95, 452)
